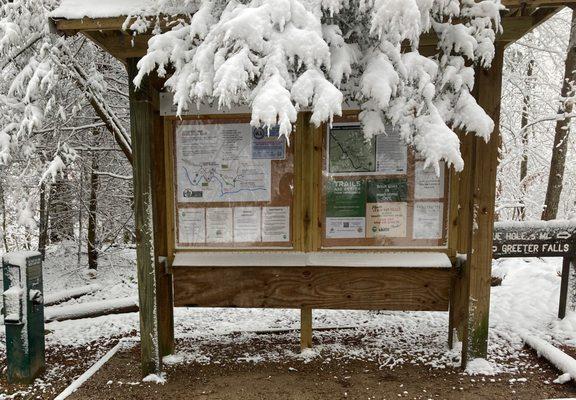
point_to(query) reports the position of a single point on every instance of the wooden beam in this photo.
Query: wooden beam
(484, 163)
(354, 288)
(89, 24)
(536, 3)
(142, 129)
(119, 44)
(305, 328)
(110, 35)
(119, 23)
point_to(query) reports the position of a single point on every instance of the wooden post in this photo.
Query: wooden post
(164, 288)
(310, 149)
(459, 290)
(564, 287)
(484, 163)
(305, 328)
(142, 131)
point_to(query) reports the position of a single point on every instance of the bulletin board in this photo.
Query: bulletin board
(377, 193)
(233, 185)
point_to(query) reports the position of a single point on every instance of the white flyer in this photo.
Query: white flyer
(214, 164)
(219, 225)
(191, 225)
(247, 224)
(275, 224)
(427, 184)
(344, 227)
(428, 217)
(386, 219)
(391, 153)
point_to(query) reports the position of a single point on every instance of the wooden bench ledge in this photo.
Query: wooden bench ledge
(315, 259)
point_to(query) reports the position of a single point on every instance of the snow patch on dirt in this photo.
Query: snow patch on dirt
(480, 366)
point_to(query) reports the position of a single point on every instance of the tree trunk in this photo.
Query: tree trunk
(92, 208)
(4, 224)
(61, 213)
(521, 210)
(562, 133)
(80, 216)
(43, 223)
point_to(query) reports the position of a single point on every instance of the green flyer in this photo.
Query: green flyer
(346, 198)
(386, 190)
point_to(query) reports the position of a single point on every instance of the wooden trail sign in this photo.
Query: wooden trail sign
(534, 240)
(539, 239)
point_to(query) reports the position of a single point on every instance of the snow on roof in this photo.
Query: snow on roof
(78, 9)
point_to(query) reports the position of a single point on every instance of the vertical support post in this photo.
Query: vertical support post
(459, 290)
(478, 267)
(310, 148)
(572, 284)
(142, 130)
(164, 287)
(564, 287)
(305, 328)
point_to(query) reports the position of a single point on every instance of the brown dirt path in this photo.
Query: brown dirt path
(322, 378)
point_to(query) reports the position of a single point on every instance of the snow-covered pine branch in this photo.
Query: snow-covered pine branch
(281, 56)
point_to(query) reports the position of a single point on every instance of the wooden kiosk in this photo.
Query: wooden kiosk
(329, 221)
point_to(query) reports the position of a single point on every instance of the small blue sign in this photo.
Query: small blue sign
(267, 144)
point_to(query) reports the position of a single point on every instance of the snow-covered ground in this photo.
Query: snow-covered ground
(525, 303)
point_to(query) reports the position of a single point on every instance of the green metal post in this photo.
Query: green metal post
(24, 315)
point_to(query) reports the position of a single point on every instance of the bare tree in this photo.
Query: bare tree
(521, 209)
(93, 212)
(3, 212)
(562, 132)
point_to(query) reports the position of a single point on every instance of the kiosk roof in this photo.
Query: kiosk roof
(78, 9)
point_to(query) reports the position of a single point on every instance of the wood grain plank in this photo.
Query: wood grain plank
(425, 289)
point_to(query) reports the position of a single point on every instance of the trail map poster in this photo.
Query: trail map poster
(215, 164)
(351, 153)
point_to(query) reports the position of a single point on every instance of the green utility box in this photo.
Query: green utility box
(23, 315)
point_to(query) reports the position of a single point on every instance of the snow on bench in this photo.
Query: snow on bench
(316, 259)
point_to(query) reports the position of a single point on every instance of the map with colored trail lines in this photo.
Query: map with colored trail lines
(349, 151)
(218, 183)
(214, 164)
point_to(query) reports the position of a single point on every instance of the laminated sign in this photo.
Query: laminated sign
(345, 209)
(386, 208)
(215, 163)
